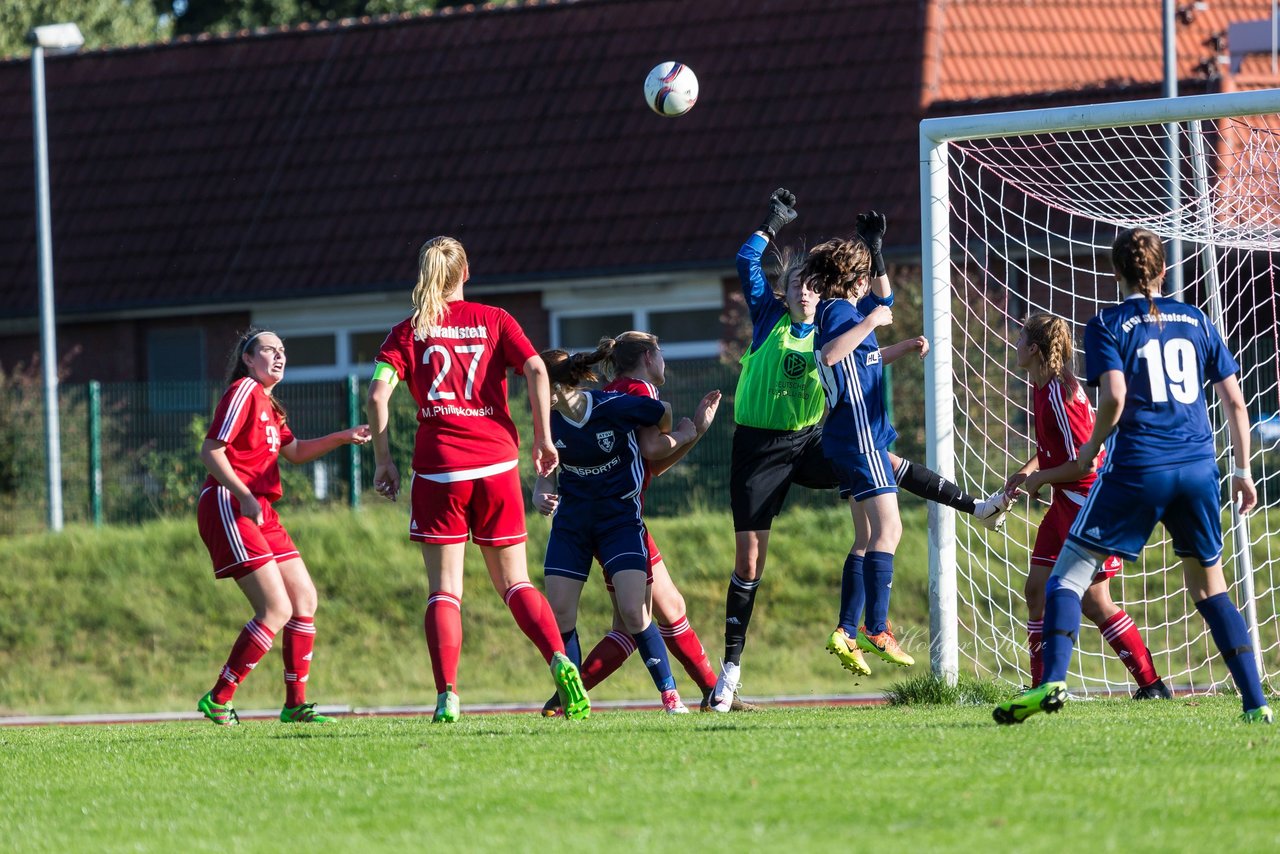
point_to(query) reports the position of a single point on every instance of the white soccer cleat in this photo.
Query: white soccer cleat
(672, 704)
(727, 684)
(992, 512)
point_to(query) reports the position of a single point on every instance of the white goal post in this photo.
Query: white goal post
(1019, 210)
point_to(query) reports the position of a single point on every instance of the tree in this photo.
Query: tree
(220, 16)
(105, 23)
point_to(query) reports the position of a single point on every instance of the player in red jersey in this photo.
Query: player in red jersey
(244, 536)
(454, 356)
(1064, 421)
(638, 367)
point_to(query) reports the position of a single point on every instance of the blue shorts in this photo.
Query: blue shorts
(583, 531)
(1124, 507)
(864, 475)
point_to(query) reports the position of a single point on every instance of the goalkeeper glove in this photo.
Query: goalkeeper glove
(782, 210)
(871, 228)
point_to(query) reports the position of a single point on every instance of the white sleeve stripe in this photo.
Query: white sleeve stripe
(238, 400)
(1060, 413)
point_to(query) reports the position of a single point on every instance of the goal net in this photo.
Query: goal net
(1020, 210)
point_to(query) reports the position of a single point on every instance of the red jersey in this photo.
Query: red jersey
(640, 388)
(1064, 422)
(254, 435)
(458, 376)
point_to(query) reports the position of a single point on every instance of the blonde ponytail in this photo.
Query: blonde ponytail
(441, 264)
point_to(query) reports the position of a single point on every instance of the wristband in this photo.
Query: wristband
(1239, 472)
(386, 373)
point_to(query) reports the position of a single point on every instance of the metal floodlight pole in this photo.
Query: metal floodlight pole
(57, 39)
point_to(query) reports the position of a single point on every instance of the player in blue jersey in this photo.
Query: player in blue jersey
(597, 511)
(777, 440)
(1150, 356)
(856, 300)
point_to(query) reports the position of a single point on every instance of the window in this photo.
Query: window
(365, 346)
(683, 313)
(583, 332)
(309, 351)
(681, 327)
(175, 369)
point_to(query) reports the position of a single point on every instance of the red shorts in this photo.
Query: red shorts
(1053, 533)
(655, 558)
(236, 545)
(490, 510)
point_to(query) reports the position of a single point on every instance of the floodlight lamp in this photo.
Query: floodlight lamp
(56, 38)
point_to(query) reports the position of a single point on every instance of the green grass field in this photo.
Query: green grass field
(1106, 775)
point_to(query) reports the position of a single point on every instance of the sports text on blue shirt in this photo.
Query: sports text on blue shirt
(599, 455)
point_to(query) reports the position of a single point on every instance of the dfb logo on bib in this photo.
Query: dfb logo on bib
(605, 440)
(793, 366)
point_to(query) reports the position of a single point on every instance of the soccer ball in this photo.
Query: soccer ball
(671, 89)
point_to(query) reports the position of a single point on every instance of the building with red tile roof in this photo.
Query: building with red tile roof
(288, 176)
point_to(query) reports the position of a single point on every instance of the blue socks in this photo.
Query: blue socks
(1232, 639)
(852, 594)
(572, 648)
(877, 578)
(1061, 627)
(654, 655)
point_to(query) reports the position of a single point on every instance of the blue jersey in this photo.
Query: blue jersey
(599, 455)
(1166, 361)
(856, 421)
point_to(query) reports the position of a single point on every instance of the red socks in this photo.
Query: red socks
(443, 626)
(534, 617)
(606, 657)
(254, 642)
(1035, 644)
(299, 640)
(1124, 637)
(683, 643)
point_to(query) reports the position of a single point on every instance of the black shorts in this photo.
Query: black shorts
(764, 465)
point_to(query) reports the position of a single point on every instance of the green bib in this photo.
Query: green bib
(778, 388)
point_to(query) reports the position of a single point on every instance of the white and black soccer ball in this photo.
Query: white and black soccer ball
(671, 89)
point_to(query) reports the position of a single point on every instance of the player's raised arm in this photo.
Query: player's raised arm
(871, 227)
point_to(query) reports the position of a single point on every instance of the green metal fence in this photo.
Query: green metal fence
(130, 451)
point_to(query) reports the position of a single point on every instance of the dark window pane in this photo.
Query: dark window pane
(175, 368)
(583, 333)
(307, 351)
(365, 345)
(698, 324)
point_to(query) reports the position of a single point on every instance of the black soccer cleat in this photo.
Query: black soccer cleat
(1157, 690)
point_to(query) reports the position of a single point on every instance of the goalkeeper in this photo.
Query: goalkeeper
(777, 438)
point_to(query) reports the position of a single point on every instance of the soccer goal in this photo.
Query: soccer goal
(1019, 212)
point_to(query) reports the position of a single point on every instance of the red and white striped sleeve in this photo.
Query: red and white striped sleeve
(1060, 437)
(233, 411)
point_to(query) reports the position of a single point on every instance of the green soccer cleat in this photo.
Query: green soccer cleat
(448, 708)
(1260, 715)
(851, 658)
(305, 714)
(573, 694)
(221, 714)
(1048, 698)
(885, 645)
